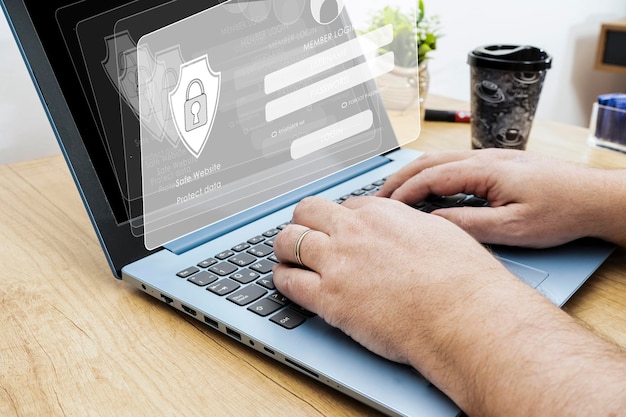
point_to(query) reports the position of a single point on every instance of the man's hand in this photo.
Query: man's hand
(534, 201)
(377, 269)
(415, 288)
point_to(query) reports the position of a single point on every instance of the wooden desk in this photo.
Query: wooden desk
(76, 342)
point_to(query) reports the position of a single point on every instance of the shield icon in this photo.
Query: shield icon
(193, 103)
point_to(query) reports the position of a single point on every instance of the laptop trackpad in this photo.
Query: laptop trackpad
(529, 275)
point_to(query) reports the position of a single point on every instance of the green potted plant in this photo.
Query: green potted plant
(428, 31)
(410, 78)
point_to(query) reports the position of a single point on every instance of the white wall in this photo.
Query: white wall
(25, 132)
(568, 30)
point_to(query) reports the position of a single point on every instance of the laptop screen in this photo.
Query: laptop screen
(193, 111)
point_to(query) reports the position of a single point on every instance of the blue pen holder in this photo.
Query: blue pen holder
(608, 127)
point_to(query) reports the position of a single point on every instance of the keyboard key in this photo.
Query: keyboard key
(288, 319)
(207, 263)
(433, 203)
(261, 251)
(256, 240)
(247, 295)
(446, 201)
(186, 273)
(242, 259)
(425, 207)
(369, 188)
(279, 298)
(263, 266)
(223, 268)
(223, 287)
(271, 233)
(241, 247)
(225, 255)
(203, 279)
(267, 282)
(474, 201)
(265, 307)
(245, 276)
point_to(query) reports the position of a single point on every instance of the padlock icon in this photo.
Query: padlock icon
(196, 112)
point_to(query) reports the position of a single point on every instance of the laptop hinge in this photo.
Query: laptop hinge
(218, 229)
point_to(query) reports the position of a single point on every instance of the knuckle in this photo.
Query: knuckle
(283, 239)
(304, 206)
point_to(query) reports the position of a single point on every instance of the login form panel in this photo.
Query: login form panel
(246, 101)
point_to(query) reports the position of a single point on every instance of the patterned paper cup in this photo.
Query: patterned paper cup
(506, 82)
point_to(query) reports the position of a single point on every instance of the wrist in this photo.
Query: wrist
(608, 205)
(483, 354)
(450, 343)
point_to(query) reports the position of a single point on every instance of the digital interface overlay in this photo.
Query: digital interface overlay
(245, 101)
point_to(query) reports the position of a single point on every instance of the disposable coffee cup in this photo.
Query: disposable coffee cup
(506, 82)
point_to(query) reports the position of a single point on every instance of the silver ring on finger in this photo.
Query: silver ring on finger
(296, 249)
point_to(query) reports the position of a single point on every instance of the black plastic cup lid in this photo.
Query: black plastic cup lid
(510, 58)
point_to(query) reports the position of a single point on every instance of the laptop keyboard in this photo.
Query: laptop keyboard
(243, 273)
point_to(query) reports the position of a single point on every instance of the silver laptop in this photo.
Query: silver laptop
(192, 128)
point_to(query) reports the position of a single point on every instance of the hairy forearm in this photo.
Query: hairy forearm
(528, 358)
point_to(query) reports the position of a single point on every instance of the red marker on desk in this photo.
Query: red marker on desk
(447, 116)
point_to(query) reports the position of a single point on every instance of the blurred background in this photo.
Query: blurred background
(569, 31)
